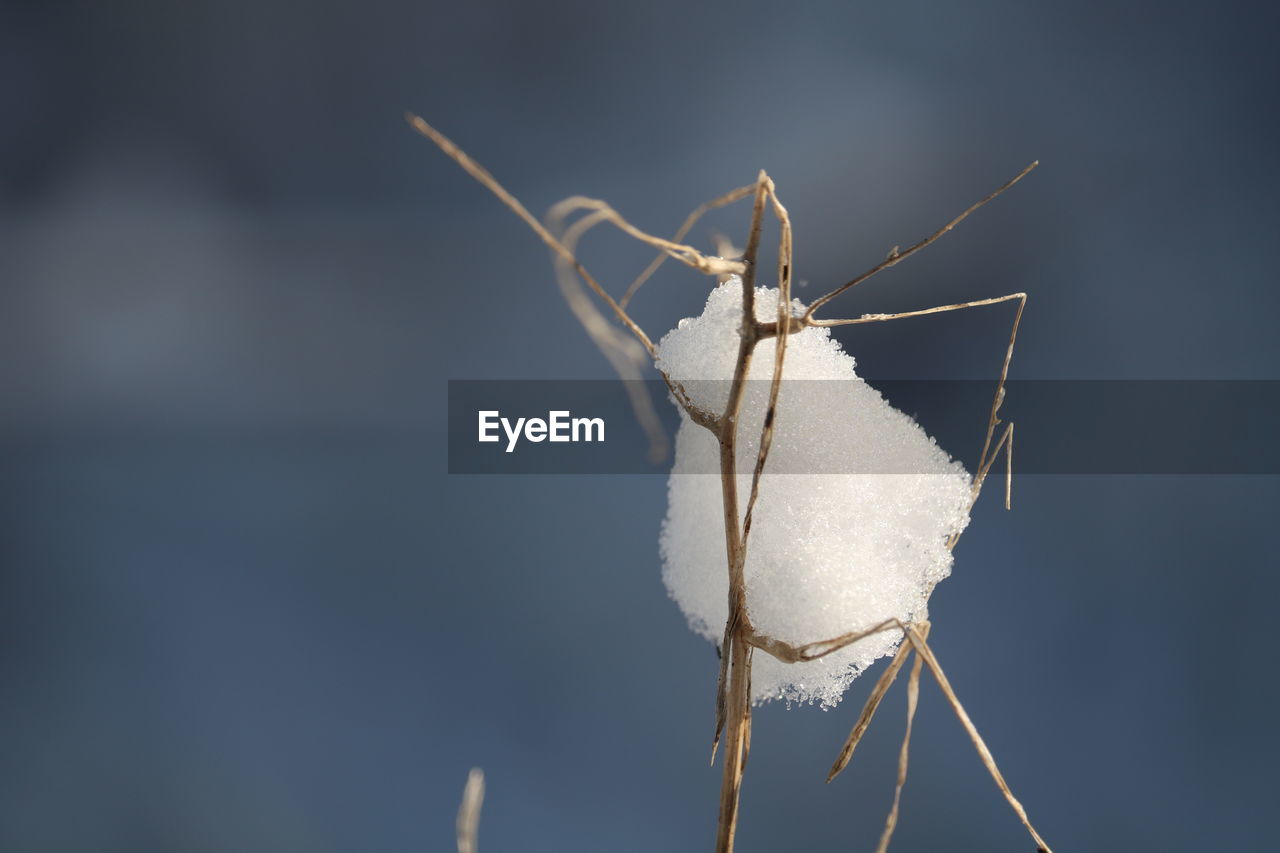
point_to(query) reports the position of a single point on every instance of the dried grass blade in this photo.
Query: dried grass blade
(869, 709)
(469, 812)
(913, 699)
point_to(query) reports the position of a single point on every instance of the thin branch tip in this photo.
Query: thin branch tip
(896, 255)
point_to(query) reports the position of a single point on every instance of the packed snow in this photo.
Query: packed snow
(836, 545)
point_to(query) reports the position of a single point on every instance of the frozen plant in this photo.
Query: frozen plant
(901, 527)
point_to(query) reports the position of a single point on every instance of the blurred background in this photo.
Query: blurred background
(244, 607)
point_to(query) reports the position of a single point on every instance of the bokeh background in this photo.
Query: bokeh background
(243, 605)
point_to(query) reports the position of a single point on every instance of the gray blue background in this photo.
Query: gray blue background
(242, 605)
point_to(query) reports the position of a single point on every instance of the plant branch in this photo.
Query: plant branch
(691, 220)
(895, 256)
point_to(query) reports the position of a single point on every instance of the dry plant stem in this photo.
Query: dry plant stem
(686, 254)
(734, 697)
(869, 709)
(780, 351)
(469, 812)
(1008, 469)
(895, 256)
(691, 220)
(489, 182)
(1005, 443)
(913, 699)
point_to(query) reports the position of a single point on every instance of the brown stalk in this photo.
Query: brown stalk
(733, 700)
(780, 350)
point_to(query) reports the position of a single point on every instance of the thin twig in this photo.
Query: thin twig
(685, 254)
(1008, 471)
(896, 256)
(913, 699)
(902, 315)
(779, 354)
(1006, 442)
(1004, 376)
(691, 220)
(869, 709)
(489, 182)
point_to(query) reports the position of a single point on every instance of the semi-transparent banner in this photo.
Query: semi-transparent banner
(1062, 426)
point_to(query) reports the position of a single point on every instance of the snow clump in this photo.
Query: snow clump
(836, 544)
